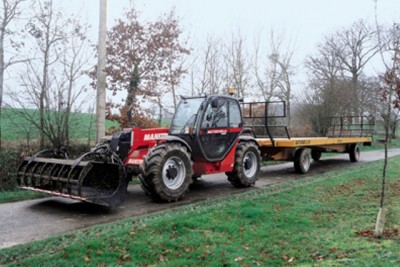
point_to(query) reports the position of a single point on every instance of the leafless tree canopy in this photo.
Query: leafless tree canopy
(50, 80)
(337, 83)
(10, 13)
(152, 63)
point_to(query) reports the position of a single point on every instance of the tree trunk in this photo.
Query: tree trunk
(42, 101)
(393, 128)
(355, 94)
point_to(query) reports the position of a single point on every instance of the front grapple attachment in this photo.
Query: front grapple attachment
(97, 177)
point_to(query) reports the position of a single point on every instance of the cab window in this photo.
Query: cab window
(235, 117)
(216, 115)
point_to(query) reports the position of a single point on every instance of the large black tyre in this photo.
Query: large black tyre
(146, 184)
(302, 161)
(316, 155)
(166, 172)
(246, 166)
(354, 152)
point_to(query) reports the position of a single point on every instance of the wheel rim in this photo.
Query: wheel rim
(357, 153)
(250, 164)
(305, 161)
(174, 173)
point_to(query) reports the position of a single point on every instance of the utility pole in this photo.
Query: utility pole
(101, 74)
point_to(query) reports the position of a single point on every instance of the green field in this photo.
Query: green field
(325, 220)
(15, 127)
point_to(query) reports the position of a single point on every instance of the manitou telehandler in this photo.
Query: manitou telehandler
(208, 134)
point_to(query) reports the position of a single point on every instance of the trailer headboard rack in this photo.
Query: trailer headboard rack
(266, 119)
(351, 126)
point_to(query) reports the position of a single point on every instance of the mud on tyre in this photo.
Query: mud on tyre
(166, 172)
(246, 166)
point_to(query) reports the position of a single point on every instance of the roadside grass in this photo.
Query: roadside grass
(19, 195)
(323, 220)
(379, 145)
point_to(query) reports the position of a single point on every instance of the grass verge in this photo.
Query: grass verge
(323, 220)
(19, 195)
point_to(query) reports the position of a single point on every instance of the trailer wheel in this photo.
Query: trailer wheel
(354, 153)
(316, 155)
(167, 172)
(302, 161)
(246, 166)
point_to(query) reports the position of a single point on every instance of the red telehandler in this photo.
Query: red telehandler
(206, 136)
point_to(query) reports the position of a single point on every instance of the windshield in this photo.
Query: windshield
(185, 115)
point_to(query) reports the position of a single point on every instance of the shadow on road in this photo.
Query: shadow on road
(60, 205)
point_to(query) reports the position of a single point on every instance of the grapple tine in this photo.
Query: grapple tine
(94, 177)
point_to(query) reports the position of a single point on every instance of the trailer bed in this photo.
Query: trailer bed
(301, 150)
(311, 141)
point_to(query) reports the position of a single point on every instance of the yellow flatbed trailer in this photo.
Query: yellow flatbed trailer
(311, 141)
(301, 150)
(266, 121)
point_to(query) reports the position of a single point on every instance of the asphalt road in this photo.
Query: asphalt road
(26, 221)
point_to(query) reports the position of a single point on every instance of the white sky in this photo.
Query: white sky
(304, 21)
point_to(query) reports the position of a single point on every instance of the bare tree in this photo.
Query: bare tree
(267, 74)
(75, 65)
(47, 32)
(175, 57)
(274, 77)
(207, 71)
(238, 66)
(388, 39)
(50, 83)
(285, 81)
(354, 47)
(166, 82)
(391, 95)
(10, 12)
(326, 93)
(336, 74)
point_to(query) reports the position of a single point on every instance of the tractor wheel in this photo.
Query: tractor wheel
(316, 155)
(354, 153)
(145, 184)
(167, 172)
(302, 161)
(246, 166)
